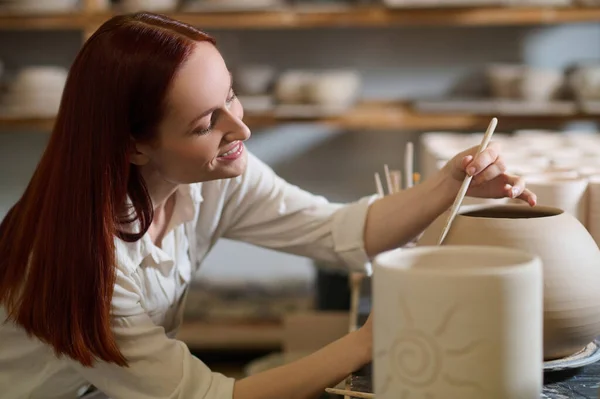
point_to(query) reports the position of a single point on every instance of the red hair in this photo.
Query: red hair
(57, 252)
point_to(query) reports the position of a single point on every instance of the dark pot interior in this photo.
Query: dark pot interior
(513, 212)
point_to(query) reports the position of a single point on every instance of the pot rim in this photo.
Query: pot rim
(513, 260)
(537, 212)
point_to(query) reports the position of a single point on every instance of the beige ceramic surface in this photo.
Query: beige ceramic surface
(563, 191)
(571, 263)
(457, 322)
(593, 222)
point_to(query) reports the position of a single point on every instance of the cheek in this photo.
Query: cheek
(193, 153)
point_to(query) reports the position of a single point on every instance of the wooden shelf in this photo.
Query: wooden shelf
(71, 21)
(383, 17)
(371, 115)
(36, 124)
(232, 336)
(302, 17)
(400, 116)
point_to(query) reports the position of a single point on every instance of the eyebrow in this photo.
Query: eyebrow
(211, 110)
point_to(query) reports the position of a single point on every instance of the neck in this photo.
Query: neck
(160, 190)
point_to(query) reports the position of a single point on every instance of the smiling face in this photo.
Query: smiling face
(201, 135)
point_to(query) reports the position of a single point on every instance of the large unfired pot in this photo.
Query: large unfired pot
(571, 264)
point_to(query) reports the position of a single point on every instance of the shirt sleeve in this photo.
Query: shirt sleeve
(263, 209)
(159, 367)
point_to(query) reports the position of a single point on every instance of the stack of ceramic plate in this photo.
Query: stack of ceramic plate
(39, 6)
(34, 92)
(148, 5)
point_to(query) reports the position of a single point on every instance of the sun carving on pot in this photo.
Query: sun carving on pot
(418, 360)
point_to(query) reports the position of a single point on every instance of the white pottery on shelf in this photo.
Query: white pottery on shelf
(148, 5)
(524, 83)
(291, 86)
(334, 88)
(39, 6)
(35, 92)
(541, 85)
(253, 79)
(504, 80)
(585, 82)
(570, 258)
(457, 322)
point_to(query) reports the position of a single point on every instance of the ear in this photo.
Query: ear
(139, 154)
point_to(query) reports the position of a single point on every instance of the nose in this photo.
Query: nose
(234, 127)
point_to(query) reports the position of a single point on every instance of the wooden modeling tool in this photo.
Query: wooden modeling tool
(388, 179)
(465, 185)
(409, 154)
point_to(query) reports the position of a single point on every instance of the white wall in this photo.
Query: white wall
(410, 62)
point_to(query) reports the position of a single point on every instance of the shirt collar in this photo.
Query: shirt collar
(189, 196)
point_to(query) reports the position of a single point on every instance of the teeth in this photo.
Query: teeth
(231, 151)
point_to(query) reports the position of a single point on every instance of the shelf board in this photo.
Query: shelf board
(370, 115)
(68, 21)
(36, 124)
(400, 116)
(383, 17)
(303, 17)
(232, 336)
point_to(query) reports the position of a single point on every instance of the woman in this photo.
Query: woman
(146, 168)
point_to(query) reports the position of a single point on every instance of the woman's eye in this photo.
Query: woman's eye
(203, 131)
(230, 99)
(214, 116)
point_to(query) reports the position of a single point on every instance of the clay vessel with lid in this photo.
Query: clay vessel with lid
(570, 258)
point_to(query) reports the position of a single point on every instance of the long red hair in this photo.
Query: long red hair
(57, 252)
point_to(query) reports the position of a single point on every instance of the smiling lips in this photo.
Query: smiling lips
(234, 152)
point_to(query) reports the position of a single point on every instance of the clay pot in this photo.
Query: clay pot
(565, 190)
(437, 330)
(570, 257)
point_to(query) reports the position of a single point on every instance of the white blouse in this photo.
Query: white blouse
(259, 208)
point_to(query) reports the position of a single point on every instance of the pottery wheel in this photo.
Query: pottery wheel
(588, 355)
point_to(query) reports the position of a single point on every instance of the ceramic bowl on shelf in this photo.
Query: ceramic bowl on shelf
(35, 91)
(291, 86)
(503, 80)
(339, 88)
(584, 82)
(253, 79)
(39, 6)
(541, 84)
(231, 5)
(521, 82)
(148, 5)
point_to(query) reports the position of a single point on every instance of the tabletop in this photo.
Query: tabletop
(583, 383)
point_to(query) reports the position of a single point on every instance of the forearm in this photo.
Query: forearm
(309, 376)
(394, 220)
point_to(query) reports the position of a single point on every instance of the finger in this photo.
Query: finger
(490, 173)
(482, 161)
(529, 197)
(516, 189)
(466, 161)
